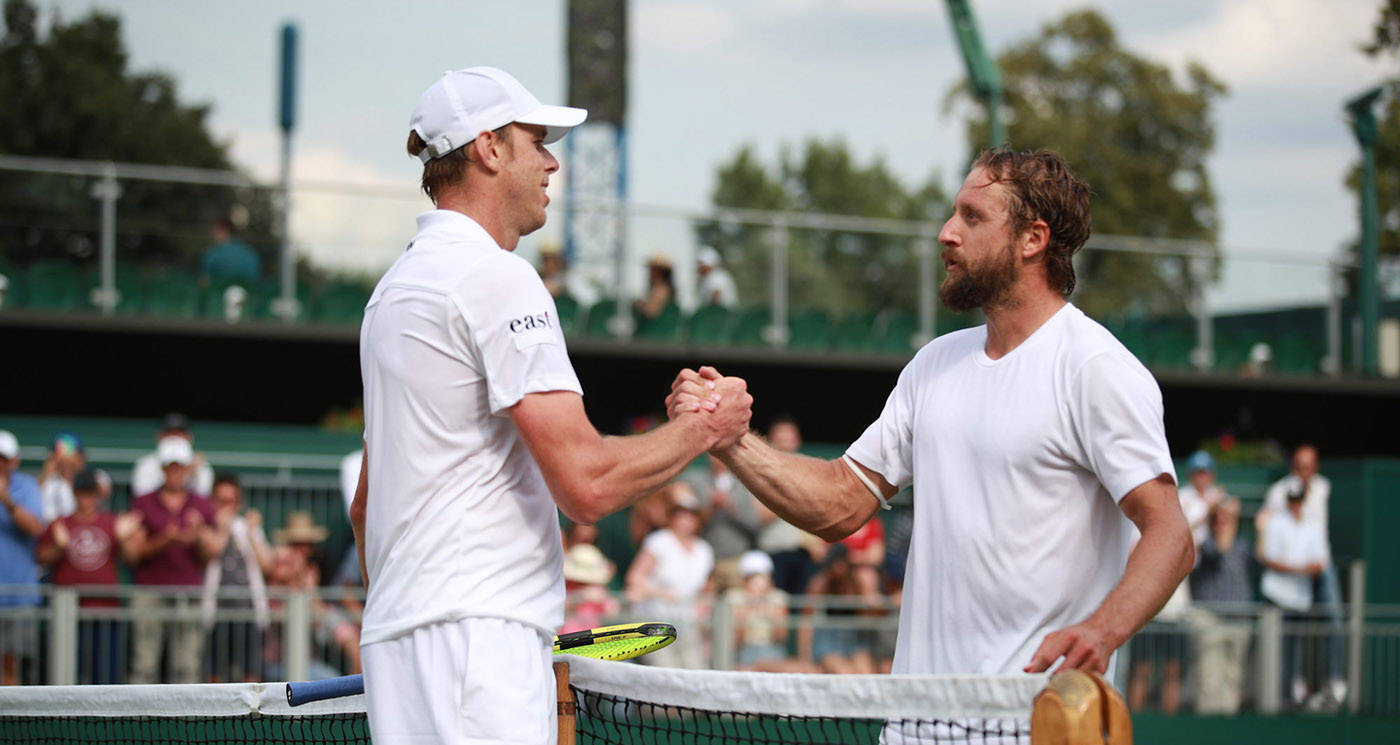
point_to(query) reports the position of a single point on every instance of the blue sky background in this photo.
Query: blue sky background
(710, 76)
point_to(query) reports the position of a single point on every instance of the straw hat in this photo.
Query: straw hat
(585, 563)
(301, 528)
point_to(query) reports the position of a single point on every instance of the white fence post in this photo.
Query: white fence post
(928, 290)
(777, 332)
(1268, 694)
(296, 635)
(722, 634)
(1356, 635)
(63, 636)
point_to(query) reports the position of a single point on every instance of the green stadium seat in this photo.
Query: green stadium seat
(129, 283)
(568, 314)
(711, 326)
(666, 327)
(220, 301)
(809, 330)
(1298, 354)
(596, 326)
(855, 333)
(750, 325)
(899, 335)
(342, 303)
(270, 289)
(171, 293)
(55, 285)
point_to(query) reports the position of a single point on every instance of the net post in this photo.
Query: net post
(1268, 696)
(567, 705)
(296, 630)
(63, 636)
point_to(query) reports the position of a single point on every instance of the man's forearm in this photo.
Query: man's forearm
(625, 469)
(821, 497)
(1159, 562)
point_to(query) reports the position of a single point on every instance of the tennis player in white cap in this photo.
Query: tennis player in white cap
(475, 430)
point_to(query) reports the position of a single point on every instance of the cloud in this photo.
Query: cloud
(684, 27)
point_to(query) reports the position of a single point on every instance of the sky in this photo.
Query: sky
(708, 76)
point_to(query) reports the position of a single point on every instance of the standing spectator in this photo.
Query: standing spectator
(83, 549)
(228, 258)
(1293, 551)
(552, 270)
(241, 557)
(716, 284)
(760, 613)
(169, 550)
(20, 524)
(291, 572)
(648, 515)
(1200, 495)
(835, 649)
(669, 576)
(336, 628)
(731, 516)
(1219, 583)
(66, 458)
(1327, 587)
(792, 548)
(661, 289)
(147, 474)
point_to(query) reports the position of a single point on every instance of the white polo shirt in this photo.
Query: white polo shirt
(1017, 466)
(460, 522)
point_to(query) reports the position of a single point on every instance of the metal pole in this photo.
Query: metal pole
(296, 631)
(928, 308)
(1356, 635)
(1268, 693)
(624, 328)
(1337, 286)
(1363, 124)
(1203, 356)
(722, 632)
(107, 190)
(777, 332)
(286, 304)
(63, 636)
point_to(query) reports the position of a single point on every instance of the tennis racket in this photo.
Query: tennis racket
(621, 642)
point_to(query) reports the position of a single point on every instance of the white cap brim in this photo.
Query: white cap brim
(556, 120)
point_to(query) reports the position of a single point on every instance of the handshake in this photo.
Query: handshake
(720, 405)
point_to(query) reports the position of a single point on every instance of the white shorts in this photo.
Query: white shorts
(477, 681)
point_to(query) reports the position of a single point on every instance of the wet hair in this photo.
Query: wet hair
(1042, 187)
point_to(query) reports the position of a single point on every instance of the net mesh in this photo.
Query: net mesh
(616, 704)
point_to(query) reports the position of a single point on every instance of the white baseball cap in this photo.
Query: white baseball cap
(174, 449)
(9, 445)
(755, 562)
(464, 103)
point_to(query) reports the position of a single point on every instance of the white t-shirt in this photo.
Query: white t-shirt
(460, 522)
(1314, 504)
(679, 571)
(147, 476)
(718, 288)
(1296, 543)
(1017, 466)
(1196, 507)
(56, 499)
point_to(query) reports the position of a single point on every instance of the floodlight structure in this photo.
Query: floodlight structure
(982, 73)
(595, 225)
(1361, 111)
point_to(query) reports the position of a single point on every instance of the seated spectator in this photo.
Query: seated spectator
(587, 572)
(169, 550)
(336, 628)
(20, 525)
(552, 270)
(66, 458)
(242, 556)
(1327, 587)
(835, 649)
(716, 284)
(1293, 552)
(731, 516)
(290, 572)
(760, 613)
(1200, 495)
(670, 576)
(1219, 583)
(82, 549)
(147, 474)
(227, 258)
(661, 289)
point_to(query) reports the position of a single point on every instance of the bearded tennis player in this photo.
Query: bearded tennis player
(475, 432)
(1034, 444)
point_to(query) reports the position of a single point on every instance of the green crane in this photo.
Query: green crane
(982, 72)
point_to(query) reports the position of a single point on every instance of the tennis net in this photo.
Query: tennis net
(614, 704)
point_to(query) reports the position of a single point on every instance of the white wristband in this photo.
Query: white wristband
(851, 464)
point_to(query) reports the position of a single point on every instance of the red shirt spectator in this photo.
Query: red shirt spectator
(87, 552)
(180, 523)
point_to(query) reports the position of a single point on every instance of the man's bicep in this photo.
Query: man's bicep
(554, 426)
(1152, 502)
(875, 478)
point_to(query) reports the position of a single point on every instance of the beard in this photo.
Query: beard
(981, 286)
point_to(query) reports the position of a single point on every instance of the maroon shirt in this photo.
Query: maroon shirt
(177, 563)
(91, 556)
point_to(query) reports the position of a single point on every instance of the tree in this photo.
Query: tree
(1385, 44)
(67, 93)
(1135, 133)
(840, 272)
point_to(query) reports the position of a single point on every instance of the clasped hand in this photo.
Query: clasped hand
(723, 402)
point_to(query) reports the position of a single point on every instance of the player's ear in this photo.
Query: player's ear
(1035, 239)
(488, 149)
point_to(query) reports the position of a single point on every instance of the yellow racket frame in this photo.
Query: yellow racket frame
(620, 642)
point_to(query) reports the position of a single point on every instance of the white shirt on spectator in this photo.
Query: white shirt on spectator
(56, 499)
(1196, 507)
(679, 572)
(1295, 542)
(1314, 504)
(717, 288)
(1017, 465)
(147, 476)
(460, 521)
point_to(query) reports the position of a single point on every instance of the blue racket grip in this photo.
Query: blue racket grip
(320, 690)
